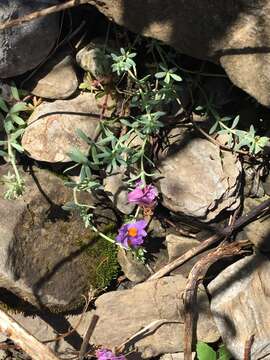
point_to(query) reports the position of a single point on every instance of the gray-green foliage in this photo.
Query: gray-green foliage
(236, 138)
(123, 62)
(205, 352)
(148, 95)
(14, 126)
(239, 138)
(147, 98)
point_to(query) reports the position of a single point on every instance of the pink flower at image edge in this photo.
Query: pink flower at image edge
(132, 234)
(105, 354)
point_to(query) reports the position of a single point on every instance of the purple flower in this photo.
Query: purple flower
(143, 195)
(104, 354)
(132, 235)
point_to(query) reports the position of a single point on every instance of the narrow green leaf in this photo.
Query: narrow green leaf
(17, 119)
(77, 156)
(3, 153)
(176, 77)
(213, 128)
(125, 122)
(20, 106)
(160, 75)
(252, 130)
(69, 206)
(3, 105)
(87, 171)
(17, 133)
(106, 140)
(8, 126)
(14, 92)
(82, 135)
(235, 122)
(94, 154)
(17, 147)
(205, 352)
(223, 353)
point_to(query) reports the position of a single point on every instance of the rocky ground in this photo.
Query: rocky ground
(135, 181)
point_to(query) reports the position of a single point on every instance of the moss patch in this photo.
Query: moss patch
(101, 259)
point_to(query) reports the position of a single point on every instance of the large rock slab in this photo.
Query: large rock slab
(51, 130)
(24, 47)
(47, 256)
(123, 313)
(197, 181)
(240, 306)
(234, 33)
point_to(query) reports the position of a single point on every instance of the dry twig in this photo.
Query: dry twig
(248, 346)
(28, 343)
(87, 336)
(212, 240)
(195, 276)
(145, 331)
(40, 13)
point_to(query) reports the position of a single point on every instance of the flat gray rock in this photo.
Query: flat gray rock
(123, 313)
(240, 306)
(56, 79)
(197, 182)
(51, 130)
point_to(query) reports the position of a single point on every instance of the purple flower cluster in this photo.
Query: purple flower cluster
(143, 195)
(105, 354)
(132, 234)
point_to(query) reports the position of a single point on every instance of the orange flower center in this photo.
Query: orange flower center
(132, 231)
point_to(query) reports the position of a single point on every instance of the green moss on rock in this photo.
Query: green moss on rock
(101, 260)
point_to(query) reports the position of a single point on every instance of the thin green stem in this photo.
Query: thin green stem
(13, 162)
(137, 212)
(78, 203)
(103, 235)
(142, 162)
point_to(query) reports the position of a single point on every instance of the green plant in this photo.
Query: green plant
(205, 352)
(124, 62)
(147, 98)
(14, 126)
(238, 139)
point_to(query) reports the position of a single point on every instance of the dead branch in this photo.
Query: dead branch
(87, 336)
(206, 244)
(195, 276)
(248, 346)
(37, 14)
(145, 331)
(34, 348)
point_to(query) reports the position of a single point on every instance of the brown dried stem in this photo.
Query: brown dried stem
(195, 276)
(212, 240)
(87, 336)
(28, 343)
(248, 346)
(37, 14)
